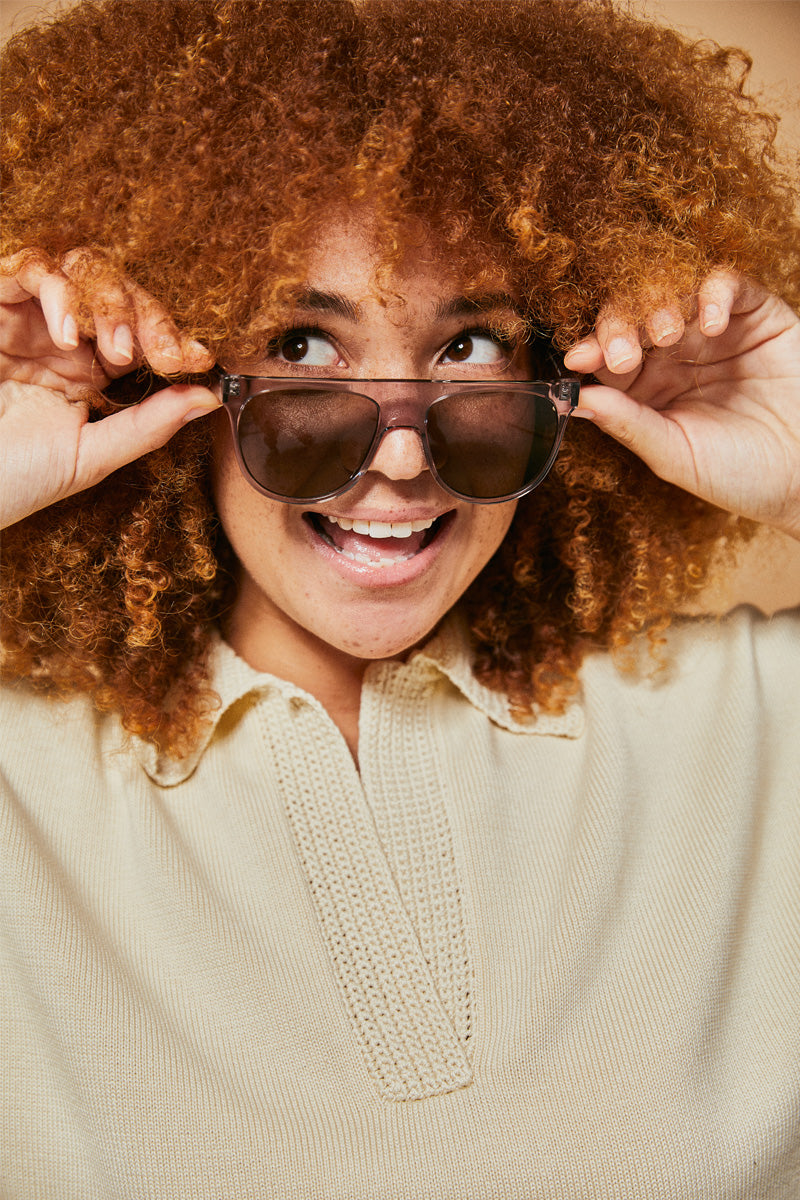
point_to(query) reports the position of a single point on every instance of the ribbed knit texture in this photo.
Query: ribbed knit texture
(555, 959)
(406, 1032)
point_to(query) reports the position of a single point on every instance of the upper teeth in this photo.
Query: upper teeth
(382, 529)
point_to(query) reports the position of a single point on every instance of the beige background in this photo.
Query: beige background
(769, 571)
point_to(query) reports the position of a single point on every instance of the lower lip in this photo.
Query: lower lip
(394, 574)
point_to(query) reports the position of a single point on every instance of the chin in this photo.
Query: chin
(386, 640)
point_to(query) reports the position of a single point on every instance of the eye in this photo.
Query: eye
(476, 347)
(306, 347)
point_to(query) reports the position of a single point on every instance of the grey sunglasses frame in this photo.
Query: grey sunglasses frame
(236, 391)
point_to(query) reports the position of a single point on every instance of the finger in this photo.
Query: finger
(619, 342)
(586, 356)
(111, 308)
(112, 323)
(30, 273)
(196, 356)
(665, 326)
(715, 300)
(159, 338)
(23, 329)
(20, 276)
(36, 280)
(58, 302)
(127, 435)
(724, 294)
(11, 290)
(114, 340)
(131, 326)
(642, 429)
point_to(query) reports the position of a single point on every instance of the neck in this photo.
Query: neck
(288, 651)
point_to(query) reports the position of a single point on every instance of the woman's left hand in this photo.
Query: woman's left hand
(712, 405)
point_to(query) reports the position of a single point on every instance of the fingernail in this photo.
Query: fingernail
(199, 412)
(619, 351)
(122, 341)
(712, 316)
(169, 348)
(196, 347)
(579, 350)
(664, 327)
(69, 331)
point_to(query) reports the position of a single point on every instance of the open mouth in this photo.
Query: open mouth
(377, 543)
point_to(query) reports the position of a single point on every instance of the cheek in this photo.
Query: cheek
(493, 523)
(223, 457)
(229, 499)
(242, 511)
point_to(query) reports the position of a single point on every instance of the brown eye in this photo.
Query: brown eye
(461, 349)
(295, 349)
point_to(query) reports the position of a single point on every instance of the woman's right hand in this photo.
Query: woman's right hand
(48, 448)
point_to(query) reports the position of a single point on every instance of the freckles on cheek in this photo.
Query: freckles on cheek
(262, 533)
(223, 464)
(493, 527)
(239, 507)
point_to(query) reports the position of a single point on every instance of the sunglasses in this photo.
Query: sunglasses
(302, 441)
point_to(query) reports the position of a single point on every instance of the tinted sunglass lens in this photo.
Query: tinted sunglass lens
(490, 444)
(308, 443)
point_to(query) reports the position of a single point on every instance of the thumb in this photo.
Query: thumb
(659, 442)
(130, 433)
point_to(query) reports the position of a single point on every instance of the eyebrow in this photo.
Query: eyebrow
(464, 306)
(329, 302)
(314, 300)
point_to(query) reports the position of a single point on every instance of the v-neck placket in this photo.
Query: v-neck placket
(377, 852)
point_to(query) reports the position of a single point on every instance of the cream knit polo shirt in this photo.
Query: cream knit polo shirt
(556, 958)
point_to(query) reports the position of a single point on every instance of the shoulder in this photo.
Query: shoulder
(52, 747)
(718, 709)
(703, 652)
(29, 714)
(745, 630)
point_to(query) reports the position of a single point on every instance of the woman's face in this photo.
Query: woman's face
(306, 573)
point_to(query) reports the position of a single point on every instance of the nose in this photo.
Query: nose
(400, 454)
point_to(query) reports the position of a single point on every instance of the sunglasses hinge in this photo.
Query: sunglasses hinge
(569, 391)
(231, 386)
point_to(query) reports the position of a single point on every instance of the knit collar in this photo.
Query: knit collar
(447, 653)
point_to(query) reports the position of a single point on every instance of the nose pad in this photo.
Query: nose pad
(400, 454)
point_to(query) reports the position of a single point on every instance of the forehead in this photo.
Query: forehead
(351, 272)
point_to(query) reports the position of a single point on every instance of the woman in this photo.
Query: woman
(374, 851)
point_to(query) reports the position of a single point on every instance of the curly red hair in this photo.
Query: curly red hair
(561, 145)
